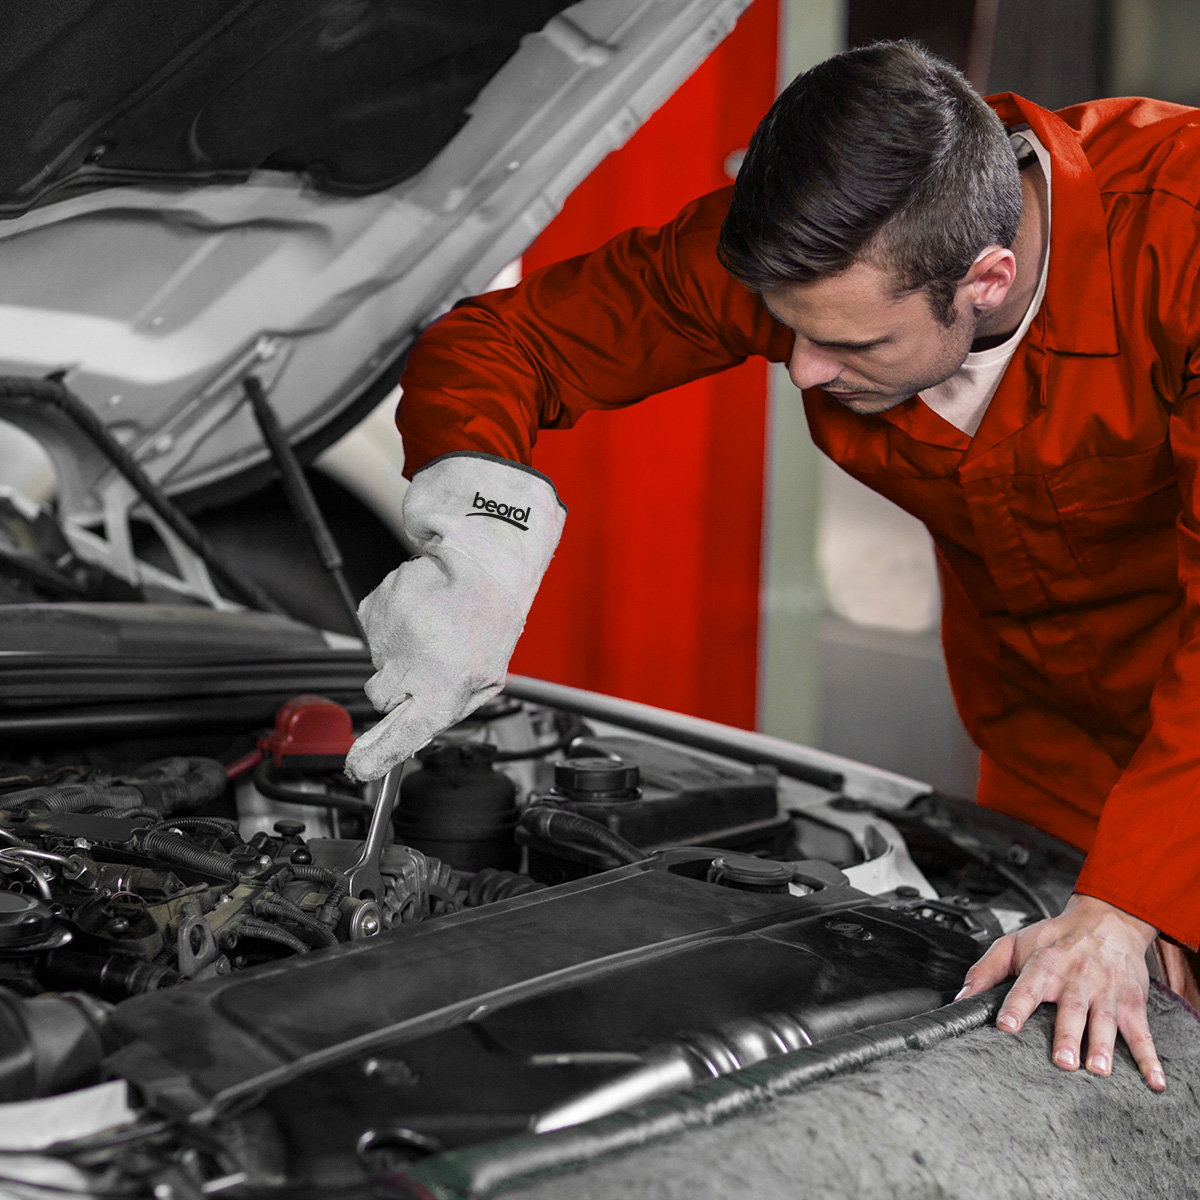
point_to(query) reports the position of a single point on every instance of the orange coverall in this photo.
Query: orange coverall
(1067, 529)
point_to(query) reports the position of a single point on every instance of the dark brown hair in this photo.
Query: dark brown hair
(884, 154)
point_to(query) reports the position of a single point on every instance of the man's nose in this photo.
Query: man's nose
(810, 366)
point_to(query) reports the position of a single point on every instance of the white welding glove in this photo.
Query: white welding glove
(443, 626)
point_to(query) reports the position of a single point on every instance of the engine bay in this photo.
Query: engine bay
(121, 882)
(546, 917)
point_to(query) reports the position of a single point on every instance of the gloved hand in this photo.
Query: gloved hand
(443, 626)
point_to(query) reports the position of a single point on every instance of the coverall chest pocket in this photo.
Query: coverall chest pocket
(1114, 508)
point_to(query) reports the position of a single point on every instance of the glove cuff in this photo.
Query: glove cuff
(495, 458)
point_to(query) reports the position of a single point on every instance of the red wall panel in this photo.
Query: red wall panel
(654, 592)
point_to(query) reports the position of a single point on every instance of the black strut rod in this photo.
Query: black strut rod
(300, 497)
(57, 395)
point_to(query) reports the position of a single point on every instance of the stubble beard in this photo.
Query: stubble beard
(955, 344)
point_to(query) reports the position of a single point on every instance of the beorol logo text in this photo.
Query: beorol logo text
(482, 507)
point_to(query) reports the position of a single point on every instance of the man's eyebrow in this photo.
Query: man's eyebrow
(849, 344)
(865, 344)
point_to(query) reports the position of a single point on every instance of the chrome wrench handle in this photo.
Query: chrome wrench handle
(364, 879)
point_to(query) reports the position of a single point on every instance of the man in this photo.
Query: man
(994, 314)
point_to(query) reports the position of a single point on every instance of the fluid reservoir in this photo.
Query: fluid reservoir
(459, 808)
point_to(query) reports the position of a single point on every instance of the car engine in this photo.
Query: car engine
(135, 878)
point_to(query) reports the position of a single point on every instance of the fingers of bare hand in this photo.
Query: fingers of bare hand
(1102, 1036)
(1023, 997)
(1069, 1024)
(1135, 1029)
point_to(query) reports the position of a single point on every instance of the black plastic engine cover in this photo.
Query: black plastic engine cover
(455, 1030)
(489, 1076)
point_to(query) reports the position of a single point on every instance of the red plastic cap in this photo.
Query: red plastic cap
(309, 727)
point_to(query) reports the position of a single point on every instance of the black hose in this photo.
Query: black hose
(177, 850)
(225, 830)
(331, 911)
(167, 785)
(277, 906)
(75, 797)
(251, 927)
(558, 825)
(489, 885)
(43, 779)
(266, 782)
(178, 784)
(127, 814)
(55, 394)
(310, 872)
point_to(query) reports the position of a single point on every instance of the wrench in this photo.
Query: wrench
(363, 878)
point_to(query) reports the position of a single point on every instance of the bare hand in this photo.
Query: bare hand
(1091, 962)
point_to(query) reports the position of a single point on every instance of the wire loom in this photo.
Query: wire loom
(481, 1172)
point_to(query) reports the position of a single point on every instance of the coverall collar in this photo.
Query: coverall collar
(1077, 314)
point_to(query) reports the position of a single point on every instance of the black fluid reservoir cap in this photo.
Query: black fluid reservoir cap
(25, 922)
(596, 778)
(750, 874)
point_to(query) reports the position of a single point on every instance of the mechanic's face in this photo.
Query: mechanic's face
(867, 349)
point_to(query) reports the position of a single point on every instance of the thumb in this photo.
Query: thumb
(996, 965)
(391, 740)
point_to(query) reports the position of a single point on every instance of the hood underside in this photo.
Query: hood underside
(277, 196)
(289, 190)
(356, 95)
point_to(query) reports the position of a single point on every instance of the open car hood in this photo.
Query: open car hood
(290, 190)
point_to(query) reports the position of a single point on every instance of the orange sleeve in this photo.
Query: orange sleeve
(1146, 855)
(647, 311)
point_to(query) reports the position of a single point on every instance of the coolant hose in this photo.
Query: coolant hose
(558, 825)
(180, 851)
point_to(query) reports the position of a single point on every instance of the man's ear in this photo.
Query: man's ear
(989, 278)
